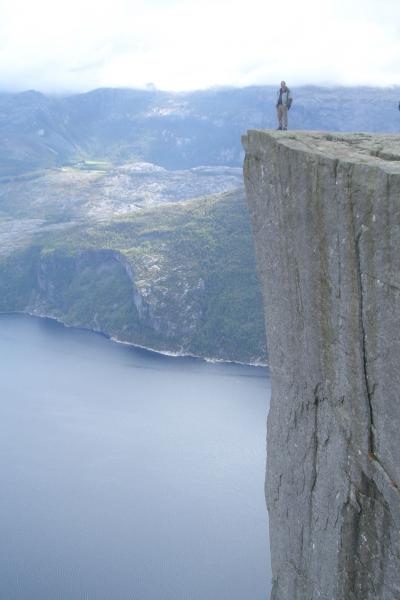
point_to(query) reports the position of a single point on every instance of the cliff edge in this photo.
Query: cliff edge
(326, 218)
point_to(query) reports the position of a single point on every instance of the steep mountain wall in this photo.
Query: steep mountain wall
(326, 218)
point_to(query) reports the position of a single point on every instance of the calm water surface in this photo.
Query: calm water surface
(127, 475)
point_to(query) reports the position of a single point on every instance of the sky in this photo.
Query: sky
(78, 45)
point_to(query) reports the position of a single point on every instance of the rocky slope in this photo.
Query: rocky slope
(102, 190)
(177, 278)
(326, 218)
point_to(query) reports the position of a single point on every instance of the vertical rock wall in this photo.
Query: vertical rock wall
(326, 219)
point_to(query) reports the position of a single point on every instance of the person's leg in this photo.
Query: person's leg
(279, 112)
(284, 117)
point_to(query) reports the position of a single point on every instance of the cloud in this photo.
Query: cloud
(183, 44)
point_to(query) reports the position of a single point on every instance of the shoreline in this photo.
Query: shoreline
(115, 340)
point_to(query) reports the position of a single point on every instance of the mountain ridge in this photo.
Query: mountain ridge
(174, 130)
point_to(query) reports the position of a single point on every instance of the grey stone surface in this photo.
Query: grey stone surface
(326, 218)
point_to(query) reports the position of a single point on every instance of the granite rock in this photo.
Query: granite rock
(326, 218)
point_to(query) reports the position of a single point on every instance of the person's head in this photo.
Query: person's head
(283, 84)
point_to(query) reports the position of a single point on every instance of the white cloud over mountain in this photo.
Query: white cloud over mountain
(178, 45)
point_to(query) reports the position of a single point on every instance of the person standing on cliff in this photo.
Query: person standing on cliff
(283, 103)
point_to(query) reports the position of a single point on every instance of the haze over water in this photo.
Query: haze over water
(125, 474)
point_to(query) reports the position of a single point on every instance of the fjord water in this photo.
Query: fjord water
(126, 474)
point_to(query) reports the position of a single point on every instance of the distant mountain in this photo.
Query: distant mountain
(174, 130)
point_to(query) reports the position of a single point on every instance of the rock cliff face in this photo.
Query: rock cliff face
(179, 278)
(326, 218)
